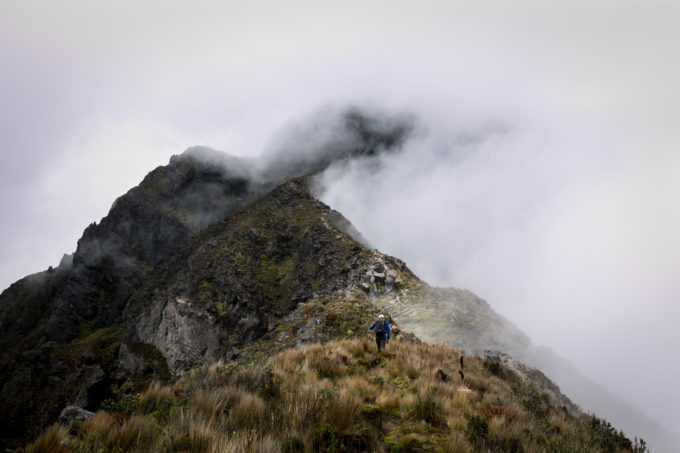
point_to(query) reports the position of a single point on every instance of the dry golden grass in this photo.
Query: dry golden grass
(340, 397)
(97, 426)
(154, 397)
(456, 443)
(54, 440)
(138, 434)
(248, 411)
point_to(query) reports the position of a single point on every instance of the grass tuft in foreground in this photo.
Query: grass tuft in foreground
(343, 397)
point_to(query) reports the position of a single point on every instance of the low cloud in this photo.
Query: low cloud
(540, 173)
(524, 216)
(332, 135)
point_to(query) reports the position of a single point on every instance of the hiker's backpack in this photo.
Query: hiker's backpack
(380, 327)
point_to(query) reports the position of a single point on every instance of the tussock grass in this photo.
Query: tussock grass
(344, 397)
(138, 434)
(156, 398)
(54, 440)
(93, 431)
(248, 412)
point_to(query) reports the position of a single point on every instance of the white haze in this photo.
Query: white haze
(543, 175)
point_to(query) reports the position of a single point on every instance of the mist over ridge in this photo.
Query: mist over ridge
(489, 209)
(448, 200)
(481, 206)
(540, 169)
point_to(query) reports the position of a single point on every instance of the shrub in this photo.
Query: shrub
(477, 430)
(124, 403)
(292, 444)
(536, 404)
(606, 437)
(494, 368)
(427, 407)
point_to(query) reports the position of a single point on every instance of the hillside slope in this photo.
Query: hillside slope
(461, 320)
(279, 298)
(342, 396)
(240, 279)
(61, 330)
(198, 264)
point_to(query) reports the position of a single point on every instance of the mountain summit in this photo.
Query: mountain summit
(46, 317)
(216, 259)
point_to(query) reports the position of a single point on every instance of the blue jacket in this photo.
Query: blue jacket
(387, 328)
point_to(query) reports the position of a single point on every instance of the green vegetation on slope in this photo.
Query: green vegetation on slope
(342, 397)
(456, 318)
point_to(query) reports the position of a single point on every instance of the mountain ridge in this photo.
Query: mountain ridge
(42, 320)
(201, 262)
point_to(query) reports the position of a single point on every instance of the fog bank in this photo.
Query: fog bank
(540, 173)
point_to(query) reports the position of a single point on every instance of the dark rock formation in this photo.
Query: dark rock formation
(214, 257)
(237, 279)
(74, 416)
(380, 279)
(48, 320)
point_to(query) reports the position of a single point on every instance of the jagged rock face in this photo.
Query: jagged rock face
(143, 231)
(41, 314)
(144, 227)
(239, 278)
(380, 279)
(153, 221)
(24, 303)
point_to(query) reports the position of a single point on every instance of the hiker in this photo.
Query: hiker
(382, 332)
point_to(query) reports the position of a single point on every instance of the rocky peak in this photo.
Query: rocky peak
(145, 227)
(238, 279)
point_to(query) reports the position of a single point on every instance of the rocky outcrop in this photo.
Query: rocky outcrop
(379, 279)
(210, 258)
(145, 227)
(89, 290)
(74, 416)
(239, 278)
(144, 230)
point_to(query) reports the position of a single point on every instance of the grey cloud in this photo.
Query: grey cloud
(331, 135)
(476, 208)
(563, 215)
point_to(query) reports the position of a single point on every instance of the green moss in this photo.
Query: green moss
(206, 292)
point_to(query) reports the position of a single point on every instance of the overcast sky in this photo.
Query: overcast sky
(545, 177)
